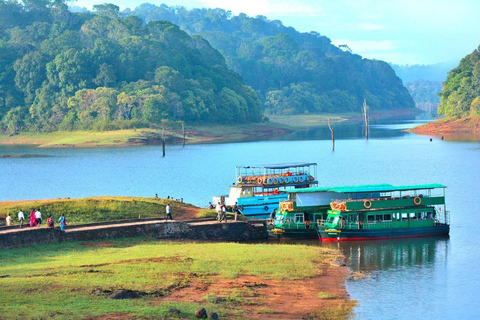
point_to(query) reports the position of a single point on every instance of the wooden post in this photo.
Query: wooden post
(333, 136)
(183, 129)
(163, 141)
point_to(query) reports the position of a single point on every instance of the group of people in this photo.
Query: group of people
(222, 211)
(36, 219)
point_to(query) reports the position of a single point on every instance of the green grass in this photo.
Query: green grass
(65, 280)
(327, 295)
(95, 209)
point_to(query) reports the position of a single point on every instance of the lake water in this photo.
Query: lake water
(406, 279)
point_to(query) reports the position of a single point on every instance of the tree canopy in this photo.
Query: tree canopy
(461, 91)
(291, 72)
(61, 70)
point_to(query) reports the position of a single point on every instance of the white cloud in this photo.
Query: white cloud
(361, 46)
(267, 7)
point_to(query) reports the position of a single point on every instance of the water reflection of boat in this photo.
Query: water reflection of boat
(368, 256)
(260, 189)
(386, 211)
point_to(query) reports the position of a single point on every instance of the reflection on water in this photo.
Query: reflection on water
(355, 130)
(366, 256)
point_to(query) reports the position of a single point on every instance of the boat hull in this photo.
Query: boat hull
(280, 233)
(260, 207)
(326, 234)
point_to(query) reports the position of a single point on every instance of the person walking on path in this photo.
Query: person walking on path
(50, 222)
(21, 218)
(218, 208)
(9, 220)
(38, 218)
(168, 211)
(33, 222)
(63, 222)
(224, 213)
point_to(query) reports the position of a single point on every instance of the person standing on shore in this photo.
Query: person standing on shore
(218, 208)
(63, 222)
(235, 210)
(168, 212)
(21, 218)
(38, 218)
(9, 220)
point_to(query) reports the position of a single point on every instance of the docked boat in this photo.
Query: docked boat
(361, 212)
(260, 189)
(297, 215)
(385, 212)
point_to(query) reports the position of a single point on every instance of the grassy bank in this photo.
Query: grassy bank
(209, 133)
(193, 135)
(237, 281)
(98, 209)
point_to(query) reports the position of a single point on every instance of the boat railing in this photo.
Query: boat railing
(295, 225)
(443, 218)
(377, 225)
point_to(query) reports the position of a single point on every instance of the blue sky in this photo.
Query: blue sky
(397, 31)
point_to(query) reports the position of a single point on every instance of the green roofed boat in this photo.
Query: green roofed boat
(364, 212)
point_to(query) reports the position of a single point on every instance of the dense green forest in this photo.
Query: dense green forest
(425, 94)
(291, 72)
(61, 70)
(461, 91)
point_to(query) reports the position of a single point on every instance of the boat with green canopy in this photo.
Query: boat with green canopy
(376, 211)
(385, 212)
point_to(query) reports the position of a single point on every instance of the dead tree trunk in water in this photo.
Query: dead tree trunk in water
(163, 141)
(333, 136)
(366, 119)
(183, 129)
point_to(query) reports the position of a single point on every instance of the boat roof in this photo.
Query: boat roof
(384, 187)
(280, 165)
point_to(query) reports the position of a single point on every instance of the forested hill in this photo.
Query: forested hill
(292, 72)
(461, 91)
(62, 71)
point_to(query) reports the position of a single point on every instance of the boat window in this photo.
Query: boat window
(352, 218)
(404, 216)
(379, 218)
(299, 218)
(371, 218)
(387, 217)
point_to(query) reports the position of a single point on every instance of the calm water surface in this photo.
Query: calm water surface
(407, 279)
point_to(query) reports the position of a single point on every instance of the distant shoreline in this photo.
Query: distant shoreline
(211, 133)
(451, 128)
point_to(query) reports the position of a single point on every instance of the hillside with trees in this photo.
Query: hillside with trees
(459, 100)
(424, 82)
(425, 94)
(61, 70)
(461, 91)
(291, 72)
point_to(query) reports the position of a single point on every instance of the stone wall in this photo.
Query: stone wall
(239, 231)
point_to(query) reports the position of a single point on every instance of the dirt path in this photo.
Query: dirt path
(271, 298)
